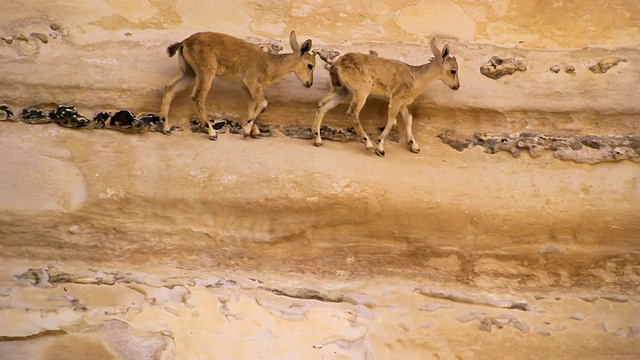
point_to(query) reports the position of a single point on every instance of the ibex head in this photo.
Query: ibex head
(448, 65)
(307, 60)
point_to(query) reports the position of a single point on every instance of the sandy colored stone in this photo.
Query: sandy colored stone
(274, 248)
(78, 347)
(449, 264)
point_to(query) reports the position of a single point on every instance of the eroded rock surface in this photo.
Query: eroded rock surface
(589, 149)
(135, 315)
(141, 245)
(495, 68)
(605, 64)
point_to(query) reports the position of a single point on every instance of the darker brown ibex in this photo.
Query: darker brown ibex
(205, 55)
(361, 75)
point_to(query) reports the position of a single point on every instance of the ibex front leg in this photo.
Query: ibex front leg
(408, 121)
(392, 120)
(258, 105)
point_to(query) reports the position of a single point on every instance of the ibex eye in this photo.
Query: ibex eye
(453, 71)
(310, 66)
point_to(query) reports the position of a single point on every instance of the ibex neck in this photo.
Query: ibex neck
(425, 74)
(284, 64)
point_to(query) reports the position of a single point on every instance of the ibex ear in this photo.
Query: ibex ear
(293, 41)
(434, 50)
(445, 51)
(305, 47)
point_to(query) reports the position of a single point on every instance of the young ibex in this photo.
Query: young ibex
(205, 55)
(361, 75)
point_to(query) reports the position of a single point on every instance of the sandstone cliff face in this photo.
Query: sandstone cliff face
(512, 235)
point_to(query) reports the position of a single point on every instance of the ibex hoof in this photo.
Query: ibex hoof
(368, 145)
(257, 136)
(415, 151)
(166, 132)
(380, 152)
(244, 133)
(317, 144)
(213, 137)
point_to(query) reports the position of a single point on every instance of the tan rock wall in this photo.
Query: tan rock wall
(112, 54)
(549, 24)
(139, 245)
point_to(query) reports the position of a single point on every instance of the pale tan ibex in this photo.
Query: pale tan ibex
(204, 55)
(361, 75)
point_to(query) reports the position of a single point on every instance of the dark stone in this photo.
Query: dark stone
(590, 141)
(35, 116)
(394, 134)
(458, 143)
(617, 299)
(42, 37)
(486, 324)
(338, 134)
(101, 119)
(68, 116)
(520, 306)
(490, 146)
(219, 125)
(633, 142)
(305, 294)
(526, 135)
(265, 130)
(234, 127)
(148, 121)
(299, 132)
(5, 112)
(575, 145)
(123, 118)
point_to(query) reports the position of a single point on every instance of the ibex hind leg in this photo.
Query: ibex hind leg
(176, 85)
(357, 103)
(199, 95)
(205, 72)
(333, 99)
